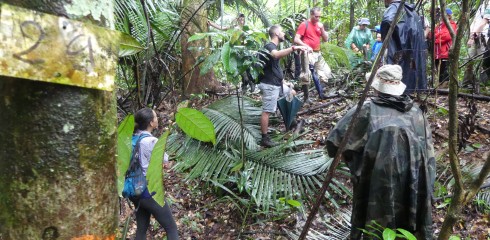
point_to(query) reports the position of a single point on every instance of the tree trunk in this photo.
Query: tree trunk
(351, 15)
(194, 15)
(57, 157)
(462, 195)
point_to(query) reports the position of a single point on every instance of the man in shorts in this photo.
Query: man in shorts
(272, 79)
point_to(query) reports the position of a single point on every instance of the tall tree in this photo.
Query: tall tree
(351, 14)
(194, 20)
(57, 172)
(462, 194)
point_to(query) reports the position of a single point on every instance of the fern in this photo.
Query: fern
(338, 228)
(274, 172)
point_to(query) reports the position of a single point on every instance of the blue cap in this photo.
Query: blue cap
(449, 11)
(377, 28)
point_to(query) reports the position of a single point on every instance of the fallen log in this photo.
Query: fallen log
(475, 96)
(320, 106)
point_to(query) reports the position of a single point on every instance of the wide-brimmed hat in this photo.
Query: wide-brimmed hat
(486, 13)
(363, 21)
(388, 79)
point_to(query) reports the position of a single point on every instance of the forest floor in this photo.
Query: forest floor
(201, 214)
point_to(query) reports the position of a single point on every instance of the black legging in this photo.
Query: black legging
(163, 215)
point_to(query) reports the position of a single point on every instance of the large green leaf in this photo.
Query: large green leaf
(154, 174)
(225, 55)
(197, 36)
(124, 133)
(389, 234)
(210, 61)
(129, 45)
(195, 124)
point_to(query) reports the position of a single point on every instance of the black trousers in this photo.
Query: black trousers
(163, 215)
(443, 69)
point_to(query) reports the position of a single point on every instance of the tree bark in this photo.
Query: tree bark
(194, 15)
(57, 150)
(462, 195)
(351, 15)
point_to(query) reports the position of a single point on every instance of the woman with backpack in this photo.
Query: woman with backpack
(145, 121)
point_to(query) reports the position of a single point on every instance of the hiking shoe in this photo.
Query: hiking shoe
(267, 142)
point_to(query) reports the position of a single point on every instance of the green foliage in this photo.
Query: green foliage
(439, 189)
(442, 111)
(389, 234)
(482, 201)
(154, 174)
(153, 52)
(195, 124)
(129, 46)
(227, 123)
(265, 175)
(336, 57)
(238, 52)
(376, 231)
(124, 133)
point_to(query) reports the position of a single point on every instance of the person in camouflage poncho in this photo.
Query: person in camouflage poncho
(391, 158)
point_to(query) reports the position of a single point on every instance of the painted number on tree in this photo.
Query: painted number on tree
(48, 48)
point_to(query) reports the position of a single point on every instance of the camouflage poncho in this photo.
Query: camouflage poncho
(391, 158)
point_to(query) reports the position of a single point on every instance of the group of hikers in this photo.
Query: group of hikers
(390, 153)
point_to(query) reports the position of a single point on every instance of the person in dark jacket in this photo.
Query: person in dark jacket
(390, 155)
(407, 46)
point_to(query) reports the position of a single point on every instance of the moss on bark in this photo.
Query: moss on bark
(57, 156)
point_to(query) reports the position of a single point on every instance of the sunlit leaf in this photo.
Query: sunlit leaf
(124, 133)
(128, 45)
(237, 167)
(407, 234)
(294, 203)
(195, 124)
(183, 104)
(389, 234)
(225, 55)
(154, 174)
(476, 145)
(197, 36)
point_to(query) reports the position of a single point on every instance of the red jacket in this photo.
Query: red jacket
(443, 40)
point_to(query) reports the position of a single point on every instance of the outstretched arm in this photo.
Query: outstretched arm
(284, 52)
(298, 41)
(212, 24)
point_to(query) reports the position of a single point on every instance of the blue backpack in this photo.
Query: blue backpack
(135, 181)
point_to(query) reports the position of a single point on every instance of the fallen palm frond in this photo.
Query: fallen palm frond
(271, 173)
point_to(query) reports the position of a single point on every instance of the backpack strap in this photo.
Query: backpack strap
(135, 148)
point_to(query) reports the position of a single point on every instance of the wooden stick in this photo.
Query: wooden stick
(320, 106)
